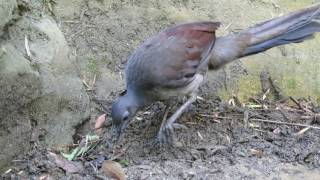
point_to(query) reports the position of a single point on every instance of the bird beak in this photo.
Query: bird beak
(119, 130)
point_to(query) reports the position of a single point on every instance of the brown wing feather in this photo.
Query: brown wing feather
(171, 58)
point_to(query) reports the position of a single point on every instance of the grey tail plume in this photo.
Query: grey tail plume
(293, 28)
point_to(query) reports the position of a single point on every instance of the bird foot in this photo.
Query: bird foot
(167, 135)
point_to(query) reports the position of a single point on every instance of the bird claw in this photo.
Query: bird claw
(179, 126)
(167, 135)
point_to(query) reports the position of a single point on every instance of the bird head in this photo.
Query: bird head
(122, 112)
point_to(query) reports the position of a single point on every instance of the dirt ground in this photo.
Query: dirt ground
(224, 140)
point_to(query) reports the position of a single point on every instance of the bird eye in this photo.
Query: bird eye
(125, 118)
(123, 92)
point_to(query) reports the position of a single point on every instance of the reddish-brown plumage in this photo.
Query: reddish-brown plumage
(172, 57)
(198, 36)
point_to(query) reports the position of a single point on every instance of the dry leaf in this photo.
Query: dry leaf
(256, 152)
(277, 131)
(68, 166)
(45, 177)
(113, 169)
(99, 123)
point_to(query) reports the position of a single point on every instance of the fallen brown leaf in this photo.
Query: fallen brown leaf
(257, 153)
(45, 177)
(99, 123)
(113, 169)
(68, 166)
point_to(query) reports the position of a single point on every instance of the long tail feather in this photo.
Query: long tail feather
(292, 28)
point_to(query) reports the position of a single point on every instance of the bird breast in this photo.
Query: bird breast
(170, 93)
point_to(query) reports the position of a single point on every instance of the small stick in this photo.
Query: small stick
(237, 100)
(264, 96)
(8, 171)
(94, 167)
(200, 98)
(26, 45)
(74, 22)
(285, 123)
(94, 81)
(200, 136)
(85, 83)
(296, 102)
(283, 114)
(212, 116)
(302, 131)
(245, 119)
(259, 130)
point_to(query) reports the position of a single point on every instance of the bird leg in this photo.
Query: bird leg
(166, 133)
(167, 109)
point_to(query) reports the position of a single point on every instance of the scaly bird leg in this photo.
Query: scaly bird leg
(166, 133)
(167, 109)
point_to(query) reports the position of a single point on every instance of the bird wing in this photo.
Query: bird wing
(173, 57)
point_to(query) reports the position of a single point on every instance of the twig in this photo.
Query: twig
(302, 131)
(200, 136)
(285, 123)
(315, 116)
(264, 96)
(259, 130)
(86, 84)
(101, 177)
(8, 171)
(212, 116)
(76, 33)
(242, 110)
(26, 45)
(200, 98)
(236, 100)
(94, 167)
(245, 119)
(283, 114)
(89, 88)
(72, 22)
(296, 102)
(94, 81)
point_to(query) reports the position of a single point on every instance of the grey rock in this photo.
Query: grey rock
(41, 92)
(6, 12)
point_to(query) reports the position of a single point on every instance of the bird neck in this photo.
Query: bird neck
(135, 98)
